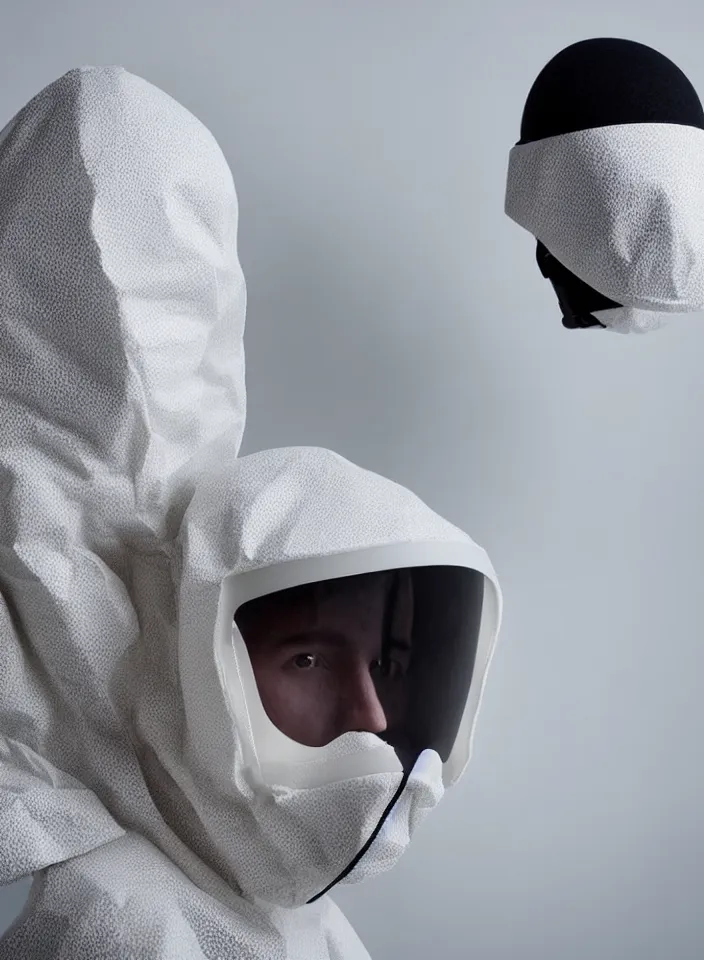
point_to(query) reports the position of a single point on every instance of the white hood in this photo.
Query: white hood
(122, 308)
(286, 819)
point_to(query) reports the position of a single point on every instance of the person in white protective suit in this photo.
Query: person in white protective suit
(226, 684)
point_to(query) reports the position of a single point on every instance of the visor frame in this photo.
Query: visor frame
(273, 759)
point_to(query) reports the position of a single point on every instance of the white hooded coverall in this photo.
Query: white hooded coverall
(132, 783)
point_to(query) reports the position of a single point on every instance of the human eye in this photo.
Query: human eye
(391, 670)
(305, 661)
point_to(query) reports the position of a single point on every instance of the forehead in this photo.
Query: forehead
(361, 596)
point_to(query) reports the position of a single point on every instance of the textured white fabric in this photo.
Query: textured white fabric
(128, 901)
(622, 207)
(123, 507)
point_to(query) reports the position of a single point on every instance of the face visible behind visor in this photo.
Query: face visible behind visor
(608, 177)
(389, 653)
(361, 683)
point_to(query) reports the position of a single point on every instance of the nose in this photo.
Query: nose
(362, 711)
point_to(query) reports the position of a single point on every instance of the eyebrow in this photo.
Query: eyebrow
(334, 637)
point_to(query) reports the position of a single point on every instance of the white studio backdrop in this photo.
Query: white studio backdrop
(397, 316)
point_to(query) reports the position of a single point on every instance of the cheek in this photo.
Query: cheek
(300, 705)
